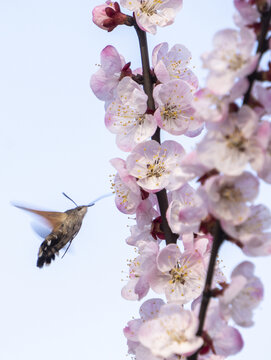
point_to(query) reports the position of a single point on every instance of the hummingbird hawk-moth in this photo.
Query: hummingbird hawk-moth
(64, 225)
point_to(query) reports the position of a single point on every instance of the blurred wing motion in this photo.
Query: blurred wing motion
(64, 225)
(52, 218)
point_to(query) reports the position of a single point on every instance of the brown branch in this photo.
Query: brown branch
(265, 21)
(219, 237)
(148, 88)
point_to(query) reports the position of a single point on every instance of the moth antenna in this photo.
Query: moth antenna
(69, 198)
(66, 249)
(99, 198)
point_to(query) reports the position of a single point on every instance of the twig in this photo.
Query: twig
(148, 88)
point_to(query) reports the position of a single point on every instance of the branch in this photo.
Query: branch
(219, 237)
(265, 21)
(148, 88)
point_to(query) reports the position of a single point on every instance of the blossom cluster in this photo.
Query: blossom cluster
(233, 112)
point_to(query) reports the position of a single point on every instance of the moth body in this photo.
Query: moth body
(61, 235)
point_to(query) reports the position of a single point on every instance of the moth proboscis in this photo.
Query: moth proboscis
(64, 227)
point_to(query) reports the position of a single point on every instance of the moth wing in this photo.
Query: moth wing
(53, 218)
(42, 230)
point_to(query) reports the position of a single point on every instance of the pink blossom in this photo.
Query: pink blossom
(146, 229)
(179, 275)
(105, 81)
(234, 144)
(243, 295)
(148, 310)
(173, 331)
(258, 245)
(152, 13)
(259, 219)
(227, 196)
(222, 339)
(156, 166)
(107, 16)
(175, 111)
(126, 115)
(231, 59)
(209, 106)
(128, 196)
(186, 210)
(200, 244)
(251, 233)
(263, 96)
(247, 10)
(173, 64)
(140, 271)
(213, 108)
(264, 139)
(140, 236)
(192, 167)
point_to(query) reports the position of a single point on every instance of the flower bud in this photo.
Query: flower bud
(108, 15)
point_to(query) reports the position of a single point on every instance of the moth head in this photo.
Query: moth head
(81, 210)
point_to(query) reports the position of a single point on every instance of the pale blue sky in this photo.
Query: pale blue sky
(53, 139)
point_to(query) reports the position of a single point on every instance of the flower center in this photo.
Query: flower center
(170, 112)
(236, 140)
(177, 69)
(176, 336)
(156, 169)
(178, 274)
(228, 192)
(235, 62)
(149, 7)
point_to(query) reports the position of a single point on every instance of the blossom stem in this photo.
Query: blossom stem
(148, 88)
(265, 21)
(219, 237)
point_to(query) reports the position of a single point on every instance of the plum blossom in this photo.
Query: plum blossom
(231, 58)
(247, 11)
(140, 271)
(259, 219)
(126, 116)
(192, 167)
(220, 338)
(234, 145)
(107, 16)
(173, 64)
(156, 166)
(173, 331)
(242, 296)
(209, 106)
(264, 138)
(259, 245)
(263, 97)
(179, 275)
(148, 310)
(146, 229)
(139, 236)
(251, 235)
(186, 210)
(175, 112)
(146, 211)
(105, 81)
(212, 108)
(152, 13)
(227, 196)
(128, 195)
